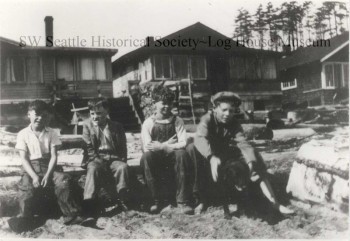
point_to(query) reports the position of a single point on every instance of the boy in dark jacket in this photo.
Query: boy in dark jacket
(220, 140)
(107, 154)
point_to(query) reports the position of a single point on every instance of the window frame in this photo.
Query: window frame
(288, 85)
(205, 67)
(94, 68)
(323, 75)
(155, 71)
(173, 67)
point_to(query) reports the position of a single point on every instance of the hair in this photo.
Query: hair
(38, 106)
(98, 102)
(161, 93)
(226, 100)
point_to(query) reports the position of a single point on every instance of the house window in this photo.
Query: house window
(329, 75)
(162, 67)
(268, 69)
(180, 67)
(346, 75)
(336, 75)
(65, 69)
(92, 69)
(287, 85)
(237, 68)
(252, 68)
(33, 73)
(198, 68)
(14, 70)
(100, 69)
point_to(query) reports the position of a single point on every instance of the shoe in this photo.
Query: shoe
(200, 209)
(285, 211)
(154, 208)
(185, 209)
(83, 221)
(123, 206)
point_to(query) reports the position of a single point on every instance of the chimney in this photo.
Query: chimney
(49, 31)
(149, 41)
(287, 50)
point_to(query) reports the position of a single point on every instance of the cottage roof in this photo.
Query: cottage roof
(304, 55)
(197, 31)
(16, 44)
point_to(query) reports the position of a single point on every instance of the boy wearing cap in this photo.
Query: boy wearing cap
(165, 160)
(219, 140)
(37, 145)
(107, 154)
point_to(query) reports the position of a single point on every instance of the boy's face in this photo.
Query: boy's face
(99, 115)
(224, 111)
(38, 119)
(163, 107)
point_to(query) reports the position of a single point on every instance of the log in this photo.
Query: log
(320, 172)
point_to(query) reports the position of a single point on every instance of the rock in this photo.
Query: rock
(321, 171)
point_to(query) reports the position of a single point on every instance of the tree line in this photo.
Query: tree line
(290, 23)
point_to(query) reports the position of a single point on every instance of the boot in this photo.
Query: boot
(155, 208)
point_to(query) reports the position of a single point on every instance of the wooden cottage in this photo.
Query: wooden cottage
(38, 72)
(214, 64)
(317, 75)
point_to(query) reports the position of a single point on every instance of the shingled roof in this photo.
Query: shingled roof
(304, 55)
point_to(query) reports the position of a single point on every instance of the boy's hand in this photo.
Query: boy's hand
(45, 180)
(215, 162)
(155, 146)
(172, 139)
(36, 181)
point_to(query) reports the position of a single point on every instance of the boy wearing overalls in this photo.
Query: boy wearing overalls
(165, 161)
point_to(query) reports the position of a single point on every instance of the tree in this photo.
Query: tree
(244, 25)
(260, 24)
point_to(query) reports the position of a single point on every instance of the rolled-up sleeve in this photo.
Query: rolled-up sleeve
(146, 133)
(21, 143)
(201, 139)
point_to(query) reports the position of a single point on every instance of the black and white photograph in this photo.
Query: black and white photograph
(198, 119)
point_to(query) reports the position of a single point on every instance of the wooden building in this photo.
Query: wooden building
(216, 63)
(40, 72)
(317, 75)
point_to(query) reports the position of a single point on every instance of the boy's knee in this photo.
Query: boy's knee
(181, 155)
(93, 167)
(148, 156)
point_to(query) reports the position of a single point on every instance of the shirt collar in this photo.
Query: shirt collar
(167, 120)
(44, 129)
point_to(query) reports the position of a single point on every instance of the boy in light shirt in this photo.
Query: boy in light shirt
(37, 145)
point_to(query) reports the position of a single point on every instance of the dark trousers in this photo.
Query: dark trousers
(59, 190)
(203, 185)
(99, 174)
(167, 173)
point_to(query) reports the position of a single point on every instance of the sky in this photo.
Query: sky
(122, 24)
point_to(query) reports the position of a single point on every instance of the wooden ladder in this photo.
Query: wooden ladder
(183, 95)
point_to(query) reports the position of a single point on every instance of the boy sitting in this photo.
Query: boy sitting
(37, 145)
(219, 140)
(165, 161)
(107, 154)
